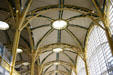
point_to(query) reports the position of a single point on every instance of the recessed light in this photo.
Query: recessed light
(56, 63)
(57, 50)
(25, 63)
(3, 25)
(19, 50)
(59, 24)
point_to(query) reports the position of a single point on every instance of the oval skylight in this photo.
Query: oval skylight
(57, 50)
(59, 24)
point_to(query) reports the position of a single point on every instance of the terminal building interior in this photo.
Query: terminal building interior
(56, 37)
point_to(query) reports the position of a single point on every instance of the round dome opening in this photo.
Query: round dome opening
(59, 24)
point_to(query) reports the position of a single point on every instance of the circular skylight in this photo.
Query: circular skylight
(57, 50)
(59, 24)
(3, 25)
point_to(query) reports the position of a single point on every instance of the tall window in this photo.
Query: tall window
(109, 13)
(80, 67)
(99, 57)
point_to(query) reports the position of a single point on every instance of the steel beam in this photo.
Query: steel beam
(86, 67)
(14, 49)
(106, 25)
(35, 54)
(76, 61)
(19, 22)
(75, 38)
(56, 71)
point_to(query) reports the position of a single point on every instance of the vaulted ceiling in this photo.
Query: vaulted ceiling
(79, 15)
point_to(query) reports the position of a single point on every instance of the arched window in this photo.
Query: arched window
(80, 67)
(109, 14)
(99, 57)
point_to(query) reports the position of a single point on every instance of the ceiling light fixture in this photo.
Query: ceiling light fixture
(25, 63)
(19, 50)
(57, 50)
(3, 25)
(59, 24)
(56, 63)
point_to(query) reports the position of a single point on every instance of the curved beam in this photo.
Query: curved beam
(41, 26)
(52, 62)
(26, 41)
(49, 18)
(47, 69)
(66, 7)
(72, 25)
(77, 8)
(78, 16)
(66, 68)
(35, 54)
(45, 35)
(76, 53)
(60, 65)
(30, 37)
(34, 13)
(46, 57)
(38, 43)
(96, 22)
(63, 45)
(68, 57)
(86, 15)
(97, 8)
(58, 71)
(74, 38)
(76, 60)
(60, 61)
(88, 34)
(86, 44)
(63, 53)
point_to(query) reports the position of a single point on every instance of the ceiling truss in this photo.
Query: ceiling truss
(23, 19)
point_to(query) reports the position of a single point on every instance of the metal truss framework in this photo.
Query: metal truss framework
(22, 20)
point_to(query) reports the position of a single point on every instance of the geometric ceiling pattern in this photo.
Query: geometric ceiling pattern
(79, 15)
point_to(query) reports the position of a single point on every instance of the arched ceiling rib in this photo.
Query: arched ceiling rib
(39, 20)
(73, 25)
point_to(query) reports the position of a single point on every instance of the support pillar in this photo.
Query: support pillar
(85, 62)
(75, 70)
(14, 49)
(39, 68)
(86, 68)
(32, 63)
(106, 24)
(20, 18)
(76, 60)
